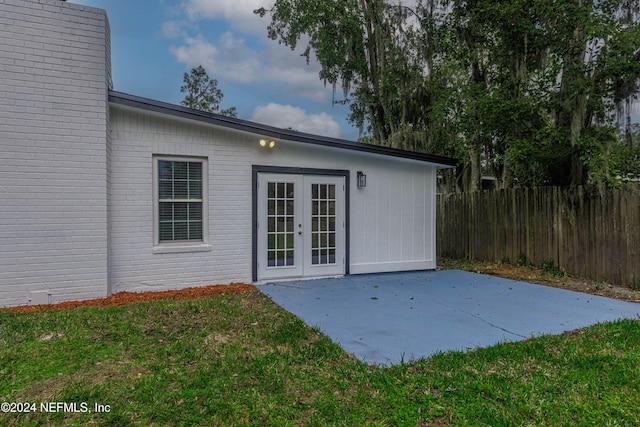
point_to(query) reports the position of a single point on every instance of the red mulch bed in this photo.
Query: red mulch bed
(129, 297)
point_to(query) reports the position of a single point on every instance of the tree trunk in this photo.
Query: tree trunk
(572, 113)
(578, 124)
(475, 182)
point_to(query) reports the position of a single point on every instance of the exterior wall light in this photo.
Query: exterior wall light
(265, 143)
(362, 180)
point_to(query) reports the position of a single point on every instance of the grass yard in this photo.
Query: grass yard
(238, 359)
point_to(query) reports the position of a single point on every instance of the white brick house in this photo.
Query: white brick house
(102, 192)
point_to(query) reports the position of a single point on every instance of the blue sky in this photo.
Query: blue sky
(154, 42)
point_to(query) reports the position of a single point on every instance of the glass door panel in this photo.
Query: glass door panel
(323, 231)
(279, 213)
(325, 226)
(280, 219)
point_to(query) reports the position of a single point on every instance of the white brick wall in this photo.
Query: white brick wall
(135, 139)
(54, 69)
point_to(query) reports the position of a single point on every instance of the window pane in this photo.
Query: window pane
(166, 231)
(195, 189)
(195, 171)
(165, 169)
(180, 171)
(195, 211)
(180, 230)
(165, 189)
(180, 211)
(166, 211)
(195, 230)
(180, 190)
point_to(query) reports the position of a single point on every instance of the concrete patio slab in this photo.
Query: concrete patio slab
(390, 317)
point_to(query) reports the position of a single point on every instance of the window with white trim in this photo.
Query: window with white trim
(180, 211)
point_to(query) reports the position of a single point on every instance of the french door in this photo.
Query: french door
(301, 225)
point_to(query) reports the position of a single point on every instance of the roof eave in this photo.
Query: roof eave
(147, 104)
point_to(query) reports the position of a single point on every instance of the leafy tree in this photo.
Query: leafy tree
(531, 91)
(595, 45)
(203, 93)
(362, 46)
(625, 155)
(545, 81)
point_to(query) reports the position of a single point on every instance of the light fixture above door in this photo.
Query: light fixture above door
(265, 143)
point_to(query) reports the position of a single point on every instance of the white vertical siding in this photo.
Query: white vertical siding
(53, 151)
(391, 224)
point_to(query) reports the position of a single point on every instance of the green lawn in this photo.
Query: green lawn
(240, 360)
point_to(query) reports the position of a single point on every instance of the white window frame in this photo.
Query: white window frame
(184, 246)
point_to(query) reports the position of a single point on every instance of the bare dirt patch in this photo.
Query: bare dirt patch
(538, 275)
(98, 373)
(129, 297)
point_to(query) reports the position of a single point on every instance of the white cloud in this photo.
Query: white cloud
(244, 55)
(285, 116)
(239, 13)
(172, 30)
(196, 51)
(230, 58)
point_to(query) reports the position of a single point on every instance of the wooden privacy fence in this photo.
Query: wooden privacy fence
(592, 234)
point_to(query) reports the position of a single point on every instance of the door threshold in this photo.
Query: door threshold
(296, 279)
